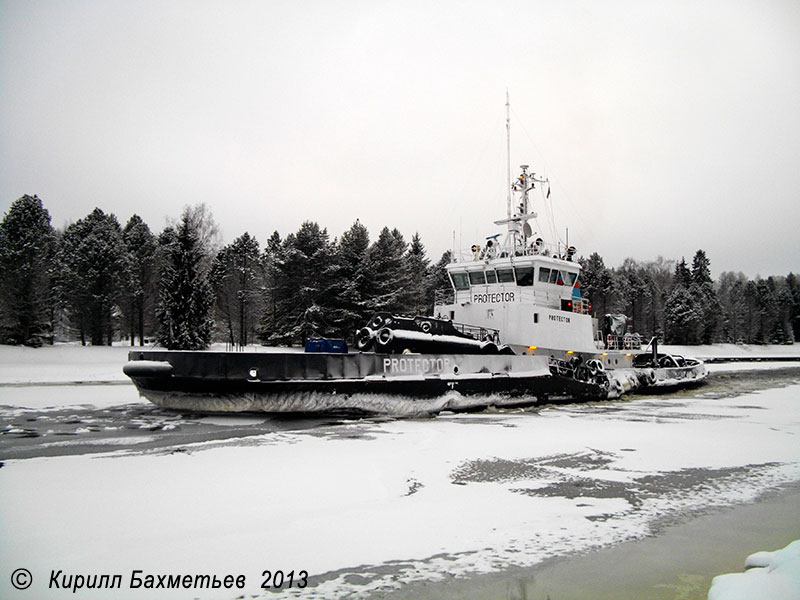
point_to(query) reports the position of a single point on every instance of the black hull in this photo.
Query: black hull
(364, 382)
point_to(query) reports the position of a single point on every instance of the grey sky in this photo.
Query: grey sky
(664, 126)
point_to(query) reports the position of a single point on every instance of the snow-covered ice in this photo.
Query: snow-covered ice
(62, 363)
(366, 506)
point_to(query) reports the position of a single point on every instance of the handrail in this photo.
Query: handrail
(480, 252)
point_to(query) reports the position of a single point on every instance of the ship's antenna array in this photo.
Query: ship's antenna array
(517, 217)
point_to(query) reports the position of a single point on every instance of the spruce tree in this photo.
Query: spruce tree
(731, 294)
(682, 317)
(632, 294)
(388, 273)
(27, 247)
(91, 269)
(185, 296)
(237, 277)
(682, 276)
(418, 266)
(793, 284)
(702, 288)
(269, 260)
(437, 284)
(596, 282)
(701, 268)
(752, 312)
(140, 276)
(683, 311)
(303, 272)
(349, 289)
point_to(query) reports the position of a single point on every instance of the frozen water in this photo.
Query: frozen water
(367, 506)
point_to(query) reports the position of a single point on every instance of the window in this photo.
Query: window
(491, 277)
(553, 276)
(524, 276)
(544, 274)
(571, 277)
(505, 275)
(460, 281)
(477, 278)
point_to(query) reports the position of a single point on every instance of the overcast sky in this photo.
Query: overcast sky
(664, 127)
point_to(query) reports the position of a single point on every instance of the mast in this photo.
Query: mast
(508, 157)
(517, 220)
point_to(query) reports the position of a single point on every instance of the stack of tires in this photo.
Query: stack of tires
(391, 334)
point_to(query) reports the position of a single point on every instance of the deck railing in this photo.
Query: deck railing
(629, 341)
(480, 251)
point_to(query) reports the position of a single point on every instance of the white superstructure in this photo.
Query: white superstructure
(525, 289)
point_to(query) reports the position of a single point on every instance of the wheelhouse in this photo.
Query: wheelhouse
(545, 280)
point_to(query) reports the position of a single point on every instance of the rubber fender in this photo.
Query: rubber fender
(384, 337)
(147, 368)
(364, 338)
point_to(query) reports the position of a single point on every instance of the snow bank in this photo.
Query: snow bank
(769, 576)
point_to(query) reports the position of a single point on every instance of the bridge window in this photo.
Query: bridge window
(524, 276)
(544, 274)
(491, 277)
(570, 278)
(477, 278)
(460, 281)
(505, 275)
(554, 276)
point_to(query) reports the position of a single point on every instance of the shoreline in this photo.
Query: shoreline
(678, 562)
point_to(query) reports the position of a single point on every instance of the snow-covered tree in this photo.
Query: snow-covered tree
(91, 268)
(633, 294)
(185, 296)
(437, 282)
(702, 287)
(682, 316)
(731, 294)
(269, 260)
(388, 272)
(27, 247)
(596, 282)
(303, 270)
(139, 287)
(418, 266)
(350, 284)
(793, 284)
(701, 268)
(682, 276)
(237, 277)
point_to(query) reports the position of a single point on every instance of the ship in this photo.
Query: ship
(514, 330)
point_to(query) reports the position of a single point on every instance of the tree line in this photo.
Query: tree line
(97, 281)
(682, 304)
